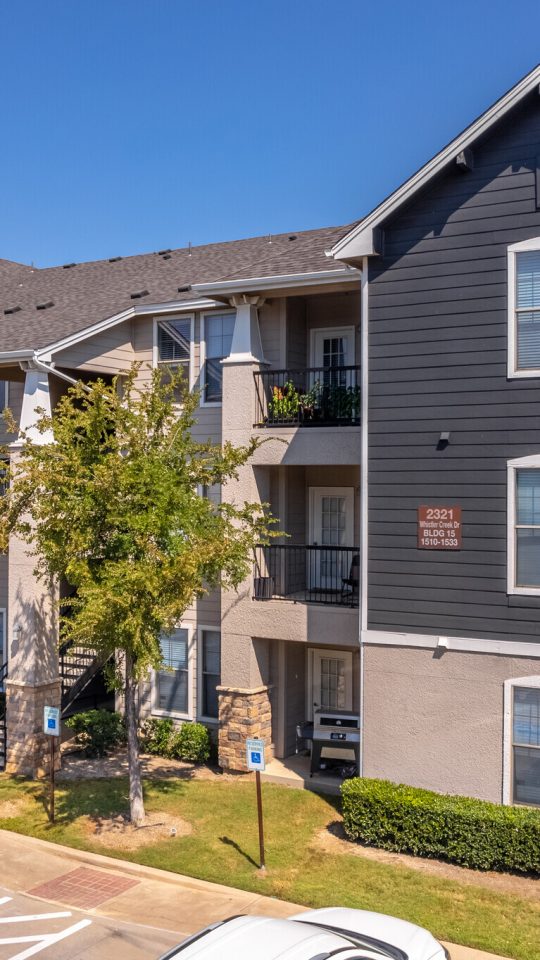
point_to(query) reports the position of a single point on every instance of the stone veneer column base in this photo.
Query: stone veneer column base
(27, 746)
(243, 714)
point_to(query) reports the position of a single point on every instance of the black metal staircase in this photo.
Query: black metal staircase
(3, 728)
(77, 666)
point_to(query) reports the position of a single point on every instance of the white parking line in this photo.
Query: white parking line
(39, 941)
(35, 916)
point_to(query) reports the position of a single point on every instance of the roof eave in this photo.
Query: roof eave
(277, 282)
(361, 241)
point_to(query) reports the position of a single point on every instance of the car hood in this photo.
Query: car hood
(416, 942)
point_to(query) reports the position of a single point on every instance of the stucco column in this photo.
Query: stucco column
(33, 680)
(244, 704)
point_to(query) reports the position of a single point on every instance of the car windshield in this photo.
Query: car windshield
(372, 946)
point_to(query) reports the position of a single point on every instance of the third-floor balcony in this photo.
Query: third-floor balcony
(311, 397)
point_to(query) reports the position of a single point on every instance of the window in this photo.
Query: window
(522, 732)
(210, 665)
(3, 394)
(524, 308)
(526, 745)
(528, 528)
(524, 525)
(212, 492)
(174, 338)
(172, 685)
(218, 333)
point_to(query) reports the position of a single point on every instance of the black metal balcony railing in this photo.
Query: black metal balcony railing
(315, 396)
(307, 574)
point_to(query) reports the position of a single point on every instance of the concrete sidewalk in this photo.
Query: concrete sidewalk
(134, 893)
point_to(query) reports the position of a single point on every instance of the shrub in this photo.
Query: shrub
(473, 833)
(156, 734)
(191, 743)
(97, 731)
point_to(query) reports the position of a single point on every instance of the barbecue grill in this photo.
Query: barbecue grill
(336, 736)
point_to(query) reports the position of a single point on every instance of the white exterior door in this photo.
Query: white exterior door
(331, 525)
(332, 680)
(332, 347)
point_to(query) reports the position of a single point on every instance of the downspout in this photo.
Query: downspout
(363, 617)
(50, 368)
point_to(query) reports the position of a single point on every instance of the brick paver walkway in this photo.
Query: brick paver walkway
(83, 888)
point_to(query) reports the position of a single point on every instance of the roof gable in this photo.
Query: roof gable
(362, 240)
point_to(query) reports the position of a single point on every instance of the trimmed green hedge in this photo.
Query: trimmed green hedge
(190, 743)
(473, 833)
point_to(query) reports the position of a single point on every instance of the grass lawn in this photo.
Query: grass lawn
(223, 847)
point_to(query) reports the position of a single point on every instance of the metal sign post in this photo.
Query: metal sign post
(51, 727)
(255, 761)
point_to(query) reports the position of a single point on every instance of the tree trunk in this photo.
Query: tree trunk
(136, 802)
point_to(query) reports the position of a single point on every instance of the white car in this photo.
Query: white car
(313, 935)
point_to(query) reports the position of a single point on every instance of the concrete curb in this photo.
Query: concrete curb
(141, 871)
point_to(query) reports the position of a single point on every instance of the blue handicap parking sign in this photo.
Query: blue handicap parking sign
(255, 754)
(51, 725)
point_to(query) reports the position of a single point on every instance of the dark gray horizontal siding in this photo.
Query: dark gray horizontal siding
(438, 361)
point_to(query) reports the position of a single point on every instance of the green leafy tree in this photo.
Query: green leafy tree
(114, 507)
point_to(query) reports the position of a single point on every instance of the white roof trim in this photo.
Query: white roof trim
(16, 355)
(278, 281)
(178, 306)
(359, 242)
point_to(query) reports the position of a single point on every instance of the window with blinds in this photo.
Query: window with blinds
(527, 309)
(172, 683)
(527, 528)
(174, 350)
(526, 745)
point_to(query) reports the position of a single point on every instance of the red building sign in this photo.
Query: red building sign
(439, 528)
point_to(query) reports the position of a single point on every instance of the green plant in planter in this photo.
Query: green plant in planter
(342, 403)
(310, 401)
(284, 403)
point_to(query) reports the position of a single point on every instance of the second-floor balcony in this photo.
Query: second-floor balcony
(311, 397)
(307, 574)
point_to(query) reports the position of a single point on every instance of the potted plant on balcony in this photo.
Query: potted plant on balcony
(284, 403)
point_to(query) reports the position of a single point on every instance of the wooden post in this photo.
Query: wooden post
(260, 816)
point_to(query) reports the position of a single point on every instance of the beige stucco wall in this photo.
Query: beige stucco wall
(436, 721)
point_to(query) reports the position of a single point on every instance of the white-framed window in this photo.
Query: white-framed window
(173, 683)
(209, 669)
(524, 309)
(216, 341)
(522, 741)
(524, 526)
(173, 347)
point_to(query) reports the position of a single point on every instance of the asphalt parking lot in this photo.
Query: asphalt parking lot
(36, 928)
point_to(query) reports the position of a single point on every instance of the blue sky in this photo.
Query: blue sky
(133, 125)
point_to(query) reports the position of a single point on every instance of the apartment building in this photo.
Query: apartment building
(451, 469)
(268, 331)
(391, 368)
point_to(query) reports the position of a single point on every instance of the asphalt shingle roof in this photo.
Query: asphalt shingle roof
(87, 293)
